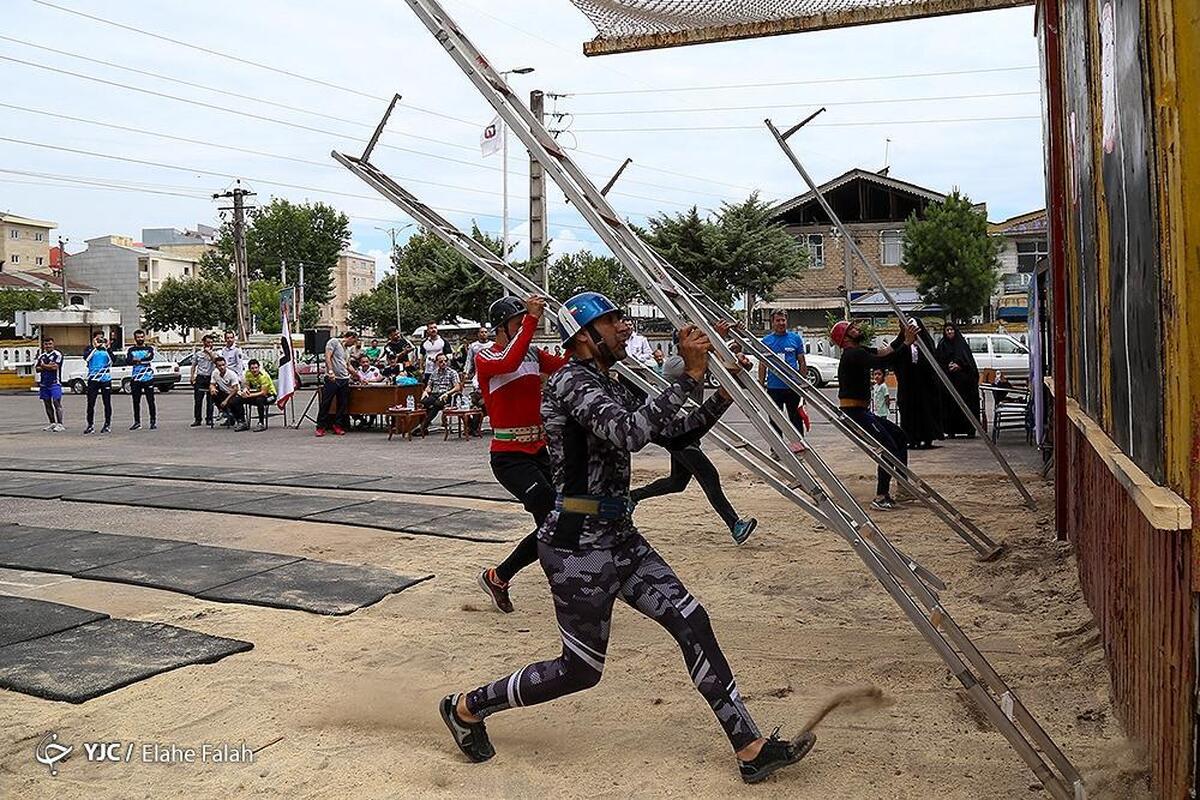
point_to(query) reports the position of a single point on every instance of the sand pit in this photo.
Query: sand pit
(346, 707)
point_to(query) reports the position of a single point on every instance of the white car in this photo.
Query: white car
(821, 369)
(999, 352)
(166, 374)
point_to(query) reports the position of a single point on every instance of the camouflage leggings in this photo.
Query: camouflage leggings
(584, 584)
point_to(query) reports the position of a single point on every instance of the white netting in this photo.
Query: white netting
(614, 18)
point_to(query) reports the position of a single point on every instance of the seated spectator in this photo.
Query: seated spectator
(374, 351)
(368, 372)
(226, 391)
(441, 387)
(393, 370)
(258, 391)
(1003, 383)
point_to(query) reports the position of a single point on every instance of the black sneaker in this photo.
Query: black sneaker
(135, 426)
(196, 424)
(153, 426)
(88, 429)
(885, 503)
(495, 589)
(471, 737)
(775, 755)
(743, 528)
(106, 429)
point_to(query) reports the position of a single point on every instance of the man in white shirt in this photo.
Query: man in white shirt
(638, 349)
(235, 357)
(368, 372)
(432, 346)
(226, 390)
(482, 342)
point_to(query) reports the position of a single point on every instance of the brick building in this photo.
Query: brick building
(874, 207)
(353, 275)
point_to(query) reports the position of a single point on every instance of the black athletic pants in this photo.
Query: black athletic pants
(140, 388)
(527, 477)
(584, 584)
(202, 399)
(888, 434)
(338, 388)
(104, 390)
(686, 463)
(789, 401)
(236, 407)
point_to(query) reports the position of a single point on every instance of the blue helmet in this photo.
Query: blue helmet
(582, 310)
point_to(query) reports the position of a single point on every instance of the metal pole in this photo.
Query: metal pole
(504, 155)
(875, 276)
(62, 269)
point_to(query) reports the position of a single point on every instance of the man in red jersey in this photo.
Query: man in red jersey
(510, 378)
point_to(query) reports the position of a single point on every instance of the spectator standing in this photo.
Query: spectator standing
(49, 372)
(258, 390)
(338, 371)
(956, 358)
(99, 384)
(432, 346)
(659, 357)
(374, 351)
(638, 348)
(918, 391)
(789, 345)
(235, 357)
(482, 342)
(201, 377)
(226, 389)
(140, 356)
(881, 398)
(440, 387)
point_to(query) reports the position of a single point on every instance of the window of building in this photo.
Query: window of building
(76, 300)
(13, 233)
(39, 236)
(1029, 253)
(16, 259)
(816, 251)
(39, 261)
(891, 248)
(1017, 283)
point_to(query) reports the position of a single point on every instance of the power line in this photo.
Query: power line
(813, 82)
(246, 61)
(814, 125)
(813, 104)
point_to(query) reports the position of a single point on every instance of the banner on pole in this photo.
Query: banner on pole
(489, 140)
(287, 363)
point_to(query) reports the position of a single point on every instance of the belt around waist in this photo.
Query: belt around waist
(612, 508)
(529, 434)
(846, 402)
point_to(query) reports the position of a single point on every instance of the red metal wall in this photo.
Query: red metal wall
(1137, 581)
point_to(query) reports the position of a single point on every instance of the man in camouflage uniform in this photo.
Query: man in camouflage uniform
(591, 552)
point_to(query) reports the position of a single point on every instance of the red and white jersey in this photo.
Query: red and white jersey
(510, 379)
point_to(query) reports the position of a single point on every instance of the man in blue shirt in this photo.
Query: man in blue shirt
(48, 367)
(139, 357)
(99, 382)
(791, 346)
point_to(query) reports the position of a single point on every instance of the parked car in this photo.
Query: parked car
(166, 374)
(821, 369)
(309, 369)
(999, 351)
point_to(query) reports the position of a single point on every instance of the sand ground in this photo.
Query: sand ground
(346, 707)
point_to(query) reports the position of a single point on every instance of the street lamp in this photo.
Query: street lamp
(504, 155)
(395, 270)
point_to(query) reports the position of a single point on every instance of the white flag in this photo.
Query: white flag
(287, 361)
(489, 140)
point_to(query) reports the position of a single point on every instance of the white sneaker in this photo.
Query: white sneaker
(50, 427)
(59, 427)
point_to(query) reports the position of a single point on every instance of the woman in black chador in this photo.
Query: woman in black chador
(954, 354)
(918, 393)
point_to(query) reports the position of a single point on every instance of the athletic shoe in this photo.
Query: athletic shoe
(320, 432)
(59, 427)
(153, 426)
(49, 427)
(106, 429)
(89, 429)
(775, 755)
(471, 737)
(743, 528)
(135, 426)
(884, 503)
(338, 430)
(495, 589)
(259, 427)
(195, 425)
(245, 426)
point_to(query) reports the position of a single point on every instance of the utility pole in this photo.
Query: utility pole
(537, 204)
(62, 268)
(241, 268)
(300, 293)
(392, 232)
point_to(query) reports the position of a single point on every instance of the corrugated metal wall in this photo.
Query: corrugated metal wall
(1138, 582)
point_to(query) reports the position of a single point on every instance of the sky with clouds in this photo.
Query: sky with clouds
(194, 121)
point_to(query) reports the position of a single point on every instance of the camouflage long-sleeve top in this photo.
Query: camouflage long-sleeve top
(593, 424)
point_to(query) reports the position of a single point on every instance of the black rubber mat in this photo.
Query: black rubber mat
(19, 537)
(387, 514)
(316, 586)
(406, 484)
(329, 480)
(22, 619)
(121, 468)
(256, 476)
(483, 490)
(217, 500)
(472, 523)
(286, 506)
(191, 569)
(71, 555)
(130, 492)
(82, 467)
(50, 487)
(181, 472)
(93, 659)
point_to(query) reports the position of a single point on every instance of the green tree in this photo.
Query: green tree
(14, 300)
(264, 306)
(952, 256)
(693, 245)
(588, 272)
(214, 264)
(182, 305)
(286, 234)
(376, 310)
